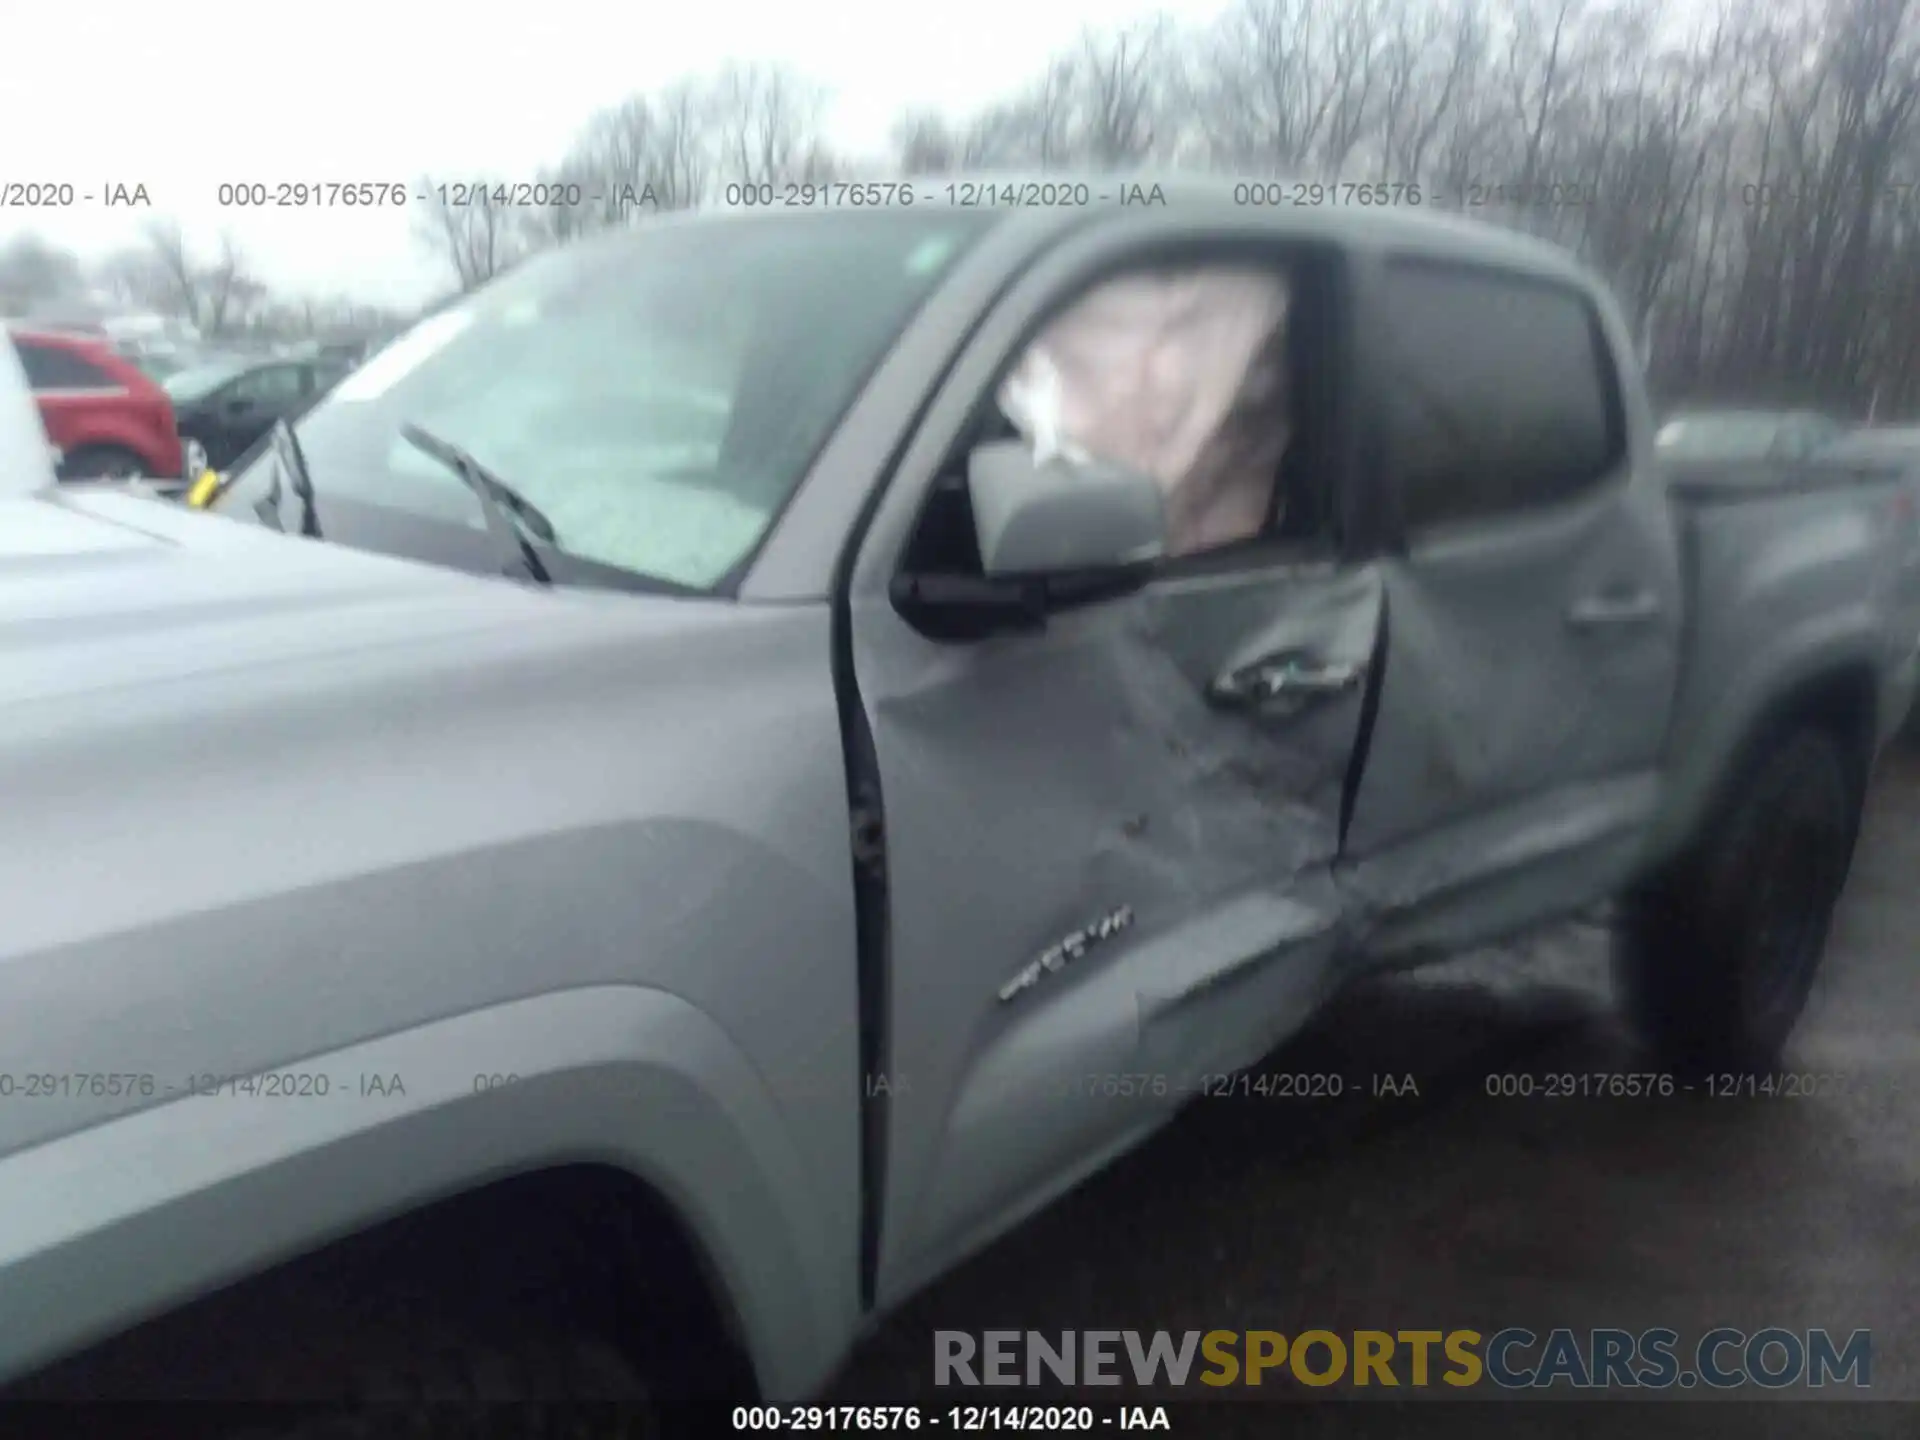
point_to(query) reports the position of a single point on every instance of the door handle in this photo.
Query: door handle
(1294, 680)
(1599, 612)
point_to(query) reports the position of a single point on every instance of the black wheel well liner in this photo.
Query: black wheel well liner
(588, 1237)
(1842, 699)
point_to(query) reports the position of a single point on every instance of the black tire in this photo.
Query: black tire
(1714, 960)
(101, 462)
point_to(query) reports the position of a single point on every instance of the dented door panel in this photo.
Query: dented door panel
(1534, 607)
(1513, 743)
(1084, 784)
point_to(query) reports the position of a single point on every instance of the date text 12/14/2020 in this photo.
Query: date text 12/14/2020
(322, 194)
(1150, 1085)
(1621, 1085)
(139, 1085)
(837, 1419)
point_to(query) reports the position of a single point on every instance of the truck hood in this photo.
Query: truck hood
(266, 797)
(179, 685)
(102, 589)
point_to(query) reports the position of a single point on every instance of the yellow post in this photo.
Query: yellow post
(203, 490)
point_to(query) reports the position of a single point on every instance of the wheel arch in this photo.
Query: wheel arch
(1839, 692)
(213, 1194)
(599, 1240)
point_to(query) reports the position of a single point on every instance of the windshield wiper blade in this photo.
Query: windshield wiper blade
(292, 462)
(505, 509)
(287, 446)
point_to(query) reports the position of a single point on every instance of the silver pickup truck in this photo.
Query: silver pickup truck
(666, 812)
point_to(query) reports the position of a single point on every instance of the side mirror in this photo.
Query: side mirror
(1050, 536)
(1059, 519)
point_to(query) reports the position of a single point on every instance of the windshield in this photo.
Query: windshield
(658, 394)
(199, 381)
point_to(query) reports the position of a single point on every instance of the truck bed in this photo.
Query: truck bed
(1714, 481)
(1820, 557)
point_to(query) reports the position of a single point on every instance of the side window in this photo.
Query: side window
(32, 363)
(275, 385)
(1500, 395)
(49, 367)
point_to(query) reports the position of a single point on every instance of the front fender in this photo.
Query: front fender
(107, 1226)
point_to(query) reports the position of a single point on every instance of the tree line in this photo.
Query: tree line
(1747, 177)
(217, 293)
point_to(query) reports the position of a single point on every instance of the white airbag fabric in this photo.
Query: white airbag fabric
(1178, 373)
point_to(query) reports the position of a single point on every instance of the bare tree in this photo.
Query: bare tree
(33, 271)
(767, 125)
(165, 275)
(132, 276)
(472, 228)
(1428, 57)
(924, 143)
(1119, 83)
(615, 158)
(1748, 179)
(644, 155)
(1539, 64)
(167, 248)
(1034, 127)
(227, 291)
(1292, 83)
(687, 164)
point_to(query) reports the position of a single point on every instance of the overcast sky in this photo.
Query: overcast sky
(390, 90)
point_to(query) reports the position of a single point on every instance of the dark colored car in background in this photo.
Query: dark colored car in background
(106, 418)
(227, 406)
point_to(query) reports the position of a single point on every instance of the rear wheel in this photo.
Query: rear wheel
(1715, 959)
(102, 462)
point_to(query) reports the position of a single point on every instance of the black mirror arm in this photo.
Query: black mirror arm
(972, 607)
(969, 607)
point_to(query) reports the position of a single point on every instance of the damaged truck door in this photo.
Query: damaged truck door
(1534, 608)
(1113, 783)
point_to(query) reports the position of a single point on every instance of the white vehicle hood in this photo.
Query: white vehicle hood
(105, 590)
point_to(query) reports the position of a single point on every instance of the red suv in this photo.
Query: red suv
(105, 417)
